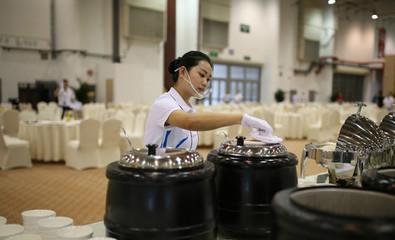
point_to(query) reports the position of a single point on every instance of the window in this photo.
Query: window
(232, 77)
(351, 86)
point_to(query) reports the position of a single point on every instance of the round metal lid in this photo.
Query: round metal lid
(388, 126)
(251, 148)
(361, 134)
(160, 158)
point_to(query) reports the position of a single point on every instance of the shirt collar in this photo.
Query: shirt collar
(187, 107)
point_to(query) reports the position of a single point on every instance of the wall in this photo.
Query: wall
(80, 25)
(187, 26)
(272, 42)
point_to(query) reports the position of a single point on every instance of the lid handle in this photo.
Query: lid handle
(240, 140)
(151, 149)
(360, 105)
(226, 136)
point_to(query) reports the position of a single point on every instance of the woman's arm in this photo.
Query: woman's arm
(202, 121)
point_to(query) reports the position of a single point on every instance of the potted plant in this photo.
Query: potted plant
(279, 95)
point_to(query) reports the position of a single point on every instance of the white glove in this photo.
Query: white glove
(255, 133)
(259, 124)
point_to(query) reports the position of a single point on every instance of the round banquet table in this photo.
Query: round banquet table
(48, 139)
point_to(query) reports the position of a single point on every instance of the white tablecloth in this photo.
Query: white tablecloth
(48, 139)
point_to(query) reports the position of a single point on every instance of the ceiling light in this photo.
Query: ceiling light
(374, 16)
(331, 1)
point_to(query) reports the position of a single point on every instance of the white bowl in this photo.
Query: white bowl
(36, 214)
(75, 233)
(25, 236)
(8, 230)
(3, 220)
(52, 223)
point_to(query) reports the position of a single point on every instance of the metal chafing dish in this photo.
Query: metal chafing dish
(160, 193)
(360, 145)
(387, 125)
(248, 174)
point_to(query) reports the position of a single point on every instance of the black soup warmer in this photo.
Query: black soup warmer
(249, 174)
(161, 193)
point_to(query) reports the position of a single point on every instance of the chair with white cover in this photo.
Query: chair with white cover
(278, 128)
(230, 132)
(84, 152)
(137, 136)
(25, 106)
(109, 143)
(41, 106)
(322, 130)
(11, 122)
(27, 115)
(14, 152)
(128, 118)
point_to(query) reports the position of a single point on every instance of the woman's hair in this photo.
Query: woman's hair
(188, 60)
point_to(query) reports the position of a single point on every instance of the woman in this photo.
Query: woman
(172, 121)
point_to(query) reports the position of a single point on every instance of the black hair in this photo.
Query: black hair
(188, 60)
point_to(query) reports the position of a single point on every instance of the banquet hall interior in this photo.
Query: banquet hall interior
(301, 65)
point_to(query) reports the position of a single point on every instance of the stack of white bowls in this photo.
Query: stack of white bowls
(75, 233)
(31, 218)
(8, 230)
(49, 226)
(3, 220)
(25, 236)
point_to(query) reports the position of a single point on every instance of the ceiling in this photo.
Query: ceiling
(383, 8)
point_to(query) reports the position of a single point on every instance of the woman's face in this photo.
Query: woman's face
(200, 76)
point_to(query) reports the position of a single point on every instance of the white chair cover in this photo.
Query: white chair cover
(278, 128)
(41, 106)
(128, 119)
(321, 131)
(27, 115)
(84, 153)
(137, 136)
(109, 149)
(14, 152)
(11, 122)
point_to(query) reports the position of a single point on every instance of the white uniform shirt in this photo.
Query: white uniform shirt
(65, 97)
(169, 136)
(388, 101)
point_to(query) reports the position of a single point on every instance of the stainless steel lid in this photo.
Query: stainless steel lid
(161, 158)
(388, 126)
(361, 134)
(251, 148)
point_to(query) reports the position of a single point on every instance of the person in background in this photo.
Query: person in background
(303, 98)
(340, 98)
(378, 99)
(388, 101)
(238, 99)
(172, 121)
(295, 98)
(227, 97)
(65, 96)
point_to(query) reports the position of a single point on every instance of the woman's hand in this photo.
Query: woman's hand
(259, 124)
(260, 129)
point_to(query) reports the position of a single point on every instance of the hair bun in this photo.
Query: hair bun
(174, 65)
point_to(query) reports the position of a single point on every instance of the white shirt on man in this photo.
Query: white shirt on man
(66, 97)
(169, 136)
(388, 101)
(238, 98)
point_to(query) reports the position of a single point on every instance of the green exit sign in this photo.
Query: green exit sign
(214, 54)
(244, 28)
